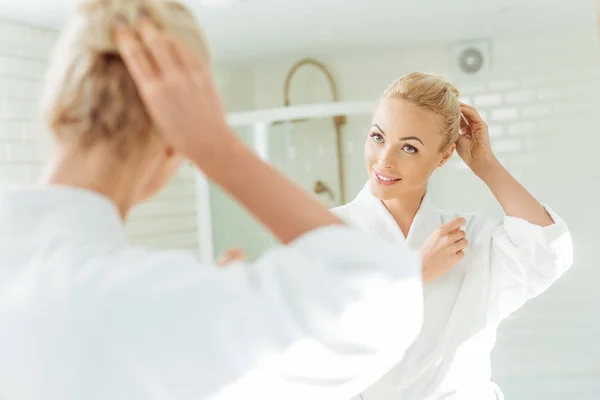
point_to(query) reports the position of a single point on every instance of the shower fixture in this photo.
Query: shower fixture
(339, 121)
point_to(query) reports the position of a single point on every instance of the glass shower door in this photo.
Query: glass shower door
(304, 151)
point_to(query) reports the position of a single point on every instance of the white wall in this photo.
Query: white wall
(542, 103)
(23, 57)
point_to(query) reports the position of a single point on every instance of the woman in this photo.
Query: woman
(476, 270)
(85, 315)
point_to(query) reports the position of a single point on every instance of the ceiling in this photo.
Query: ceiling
(256, 28)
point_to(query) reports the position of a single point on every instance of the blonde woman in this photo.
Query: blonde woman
(476, 269)
(85, 315)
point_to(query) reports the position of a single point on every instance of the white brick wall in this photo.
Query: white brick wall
(23, 57)
(546, 350)
(167, 221)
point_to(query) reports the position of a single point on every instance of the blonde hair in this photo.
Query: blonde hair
(434, 93)
(89, 94)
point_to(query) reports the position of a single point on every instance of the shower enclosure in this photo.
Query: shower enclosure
(300, 141)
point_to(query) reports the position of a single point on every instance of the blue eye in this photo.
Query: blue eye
(410, 149)
(377, 138)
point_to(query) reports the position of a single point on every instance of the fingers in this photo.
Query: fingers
(159, 44)
(154, 52)
(464, 143)
(456, 235)
(188, 59)
(464, 123)
(230, 256)
(233, 254)
(467, 106)
(168, 51)
(456, 223)
(470, 114)
(138, 62)
(460, 245)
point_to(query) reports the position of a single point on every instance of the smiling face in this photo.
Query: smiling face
(403, 147)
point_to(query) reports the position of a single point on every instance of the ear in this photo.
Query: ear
(446, 154)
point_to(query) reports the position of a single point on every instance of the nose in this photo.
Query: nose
(386, 159)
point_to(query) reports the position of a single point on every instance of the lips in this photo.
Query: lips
(384, 179)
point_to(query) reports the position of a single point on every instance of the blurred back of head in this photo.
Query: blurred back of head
(90, 96)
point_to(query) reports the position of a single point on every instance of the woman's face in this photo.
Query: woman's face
(403, 149)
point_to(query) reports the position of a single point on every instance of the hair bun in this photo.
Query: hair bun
(92, 24)
(454, 90)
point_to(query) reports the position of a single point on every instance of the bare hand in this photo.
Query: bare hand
(443, 249)
(473, 144)
(176, 88)
(230, 256)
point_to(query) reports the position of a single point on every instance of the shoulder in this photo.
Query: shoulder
(137, 266)
(348, 212)
(138, 256)
(342, 211)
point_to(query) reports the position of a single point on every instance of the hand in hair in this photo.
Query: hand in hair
(473, 144)
(176, 88)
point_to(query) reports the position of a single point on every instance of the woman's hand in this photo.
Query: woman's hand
(176, 88)
(473, 147)
(473, 144)
(443, 249)
(230, 256)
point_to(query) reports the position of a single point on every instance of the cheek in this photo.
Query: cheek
(370, 153)
(417, 168)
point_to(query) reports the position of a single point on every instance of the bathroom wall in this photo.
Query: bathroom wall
(23, 57)
(542, 104)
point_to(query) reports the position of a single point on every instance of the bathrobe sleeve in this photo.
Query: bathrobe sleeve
(525, 260)
(322, 318)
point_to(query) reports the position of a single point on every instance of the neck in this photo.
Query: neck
(97, 170)
(404, 209)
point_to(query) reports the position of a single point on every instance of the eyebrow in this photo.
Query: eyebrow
(402, 138)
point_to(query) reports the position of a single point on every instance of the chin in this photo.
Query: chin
(385, 192)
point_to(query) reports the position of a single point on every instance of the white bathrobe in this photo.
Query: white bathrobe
(86, 316)
(507, 262)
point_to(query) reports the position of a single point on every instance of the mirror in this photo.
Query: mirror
(536, 88)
